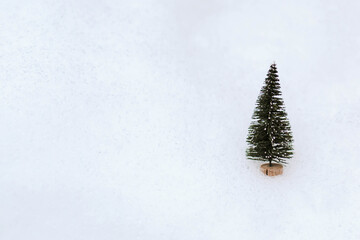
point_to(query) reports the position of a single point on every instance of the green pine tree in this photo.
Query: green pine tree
(270, 138)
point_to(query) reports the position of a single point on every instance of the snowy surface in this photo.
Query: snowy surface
(128, 119)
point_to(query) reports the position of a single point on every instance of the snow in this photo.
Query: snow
(128, 119)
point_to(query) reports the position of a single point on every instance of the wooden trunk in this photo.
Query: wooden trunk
(274, 170)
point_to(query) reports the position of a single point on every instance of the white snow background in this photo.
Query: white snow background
(128, 119)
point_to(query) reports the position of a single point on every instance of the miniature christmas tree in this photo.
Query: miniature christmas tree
(270, 138)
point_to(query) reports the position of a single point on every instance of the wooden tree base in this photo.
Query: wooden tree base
(274, 170)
